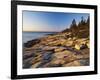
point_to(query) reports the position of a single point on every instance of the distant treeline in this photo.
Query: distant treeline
(79, 30)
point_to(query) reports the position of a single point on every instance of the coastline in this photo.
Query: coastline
(28, 36)
(57, 50)
(70, 47)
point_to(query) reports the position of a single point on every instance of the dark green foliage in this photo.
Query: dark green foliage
(73, 25)
(80, 30)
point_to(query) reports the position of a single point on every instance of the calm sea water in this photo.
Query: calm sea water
(27, 36)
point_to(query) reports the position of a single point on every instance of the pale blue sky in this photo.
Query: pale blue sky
(49, 21)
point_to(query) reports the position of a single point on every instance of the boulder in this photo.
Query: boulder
(77, 46)
(80, 46)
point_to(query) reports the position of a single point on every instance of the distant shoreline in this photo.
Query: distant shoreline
(28, 36)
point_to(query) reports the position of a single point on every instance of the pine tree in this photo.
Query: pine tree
(73, 25)
(73, 28)
(83, 21)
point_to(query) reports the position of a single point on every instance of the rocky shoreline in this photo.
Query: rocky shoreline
(69, 47)
(58, 50)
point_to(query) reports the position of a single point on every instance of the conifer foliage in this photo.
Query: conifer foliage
(81, 29)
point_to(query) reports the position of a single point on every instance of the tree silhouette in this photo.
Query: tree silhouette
(73, 27)
(81, 30)
(83, 21)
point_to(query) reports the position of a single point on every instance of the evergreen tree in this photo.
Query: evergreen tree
(81, 30)
(83, 21)
(73, 25)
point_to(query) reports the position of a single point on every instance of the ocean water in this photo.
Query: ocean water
(27, 36)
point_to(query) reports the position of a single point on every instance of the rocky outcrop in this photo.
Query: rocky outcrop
(31, 43)
(58, 50)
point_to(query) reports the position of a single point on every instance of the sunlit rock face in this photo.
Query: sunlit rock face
(70, 47)
(56, 51)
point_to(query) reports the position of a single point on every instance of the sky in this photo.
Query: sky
(49, 21)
